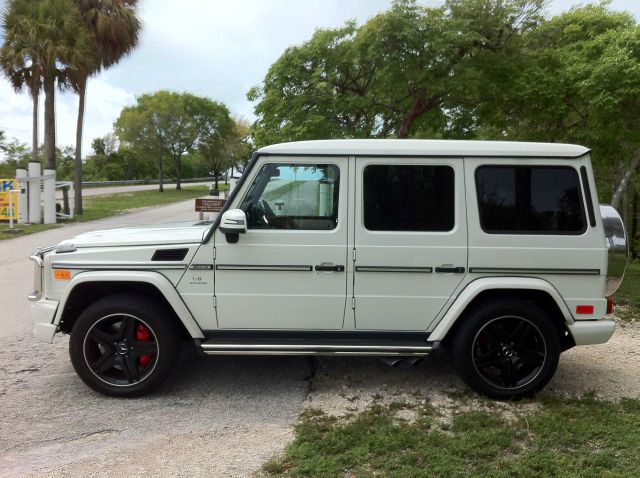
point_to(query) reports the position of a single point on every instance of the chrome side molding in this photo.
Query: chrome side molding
(315, 349)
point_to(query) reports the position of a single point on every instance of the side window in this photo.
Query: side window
(408, 198)
(293, 196)
(530, 200)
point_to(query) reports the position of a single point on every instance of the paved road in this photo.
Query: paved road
(104, 191)
(214, 417)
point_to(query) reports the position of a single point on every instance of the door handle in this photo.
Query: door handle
(329, 267)
(456, 270)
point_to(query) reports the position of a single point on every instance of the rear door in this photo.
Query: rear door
(410, 240)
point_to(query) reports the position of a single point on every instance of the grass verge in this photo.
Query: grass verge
(563, 438)
(628, 295)
(98, 207)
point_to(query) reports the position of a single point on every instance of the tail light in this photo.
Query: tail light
(610, 303)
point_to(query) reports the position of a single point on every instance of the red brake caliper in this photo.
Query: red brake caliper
(143, 335)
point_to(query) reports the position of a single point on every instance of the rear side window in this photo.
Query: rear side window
(530, 200)
(408, 198)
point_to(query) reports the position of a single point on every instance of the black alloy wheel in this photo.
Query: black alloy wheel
(508, 352)
(506, 349)
(124, 345)
(121, 349)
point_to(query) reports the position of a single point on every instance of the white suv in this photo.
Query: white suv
(497, 250)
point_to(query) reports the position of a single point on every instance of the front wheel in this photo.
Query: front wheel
(124, 345)
(506, 349)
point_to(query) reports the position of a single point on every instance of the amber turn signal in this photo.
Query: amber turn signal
(62, 274)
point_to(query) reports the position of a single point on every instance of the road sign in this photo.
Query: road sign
(210, 205)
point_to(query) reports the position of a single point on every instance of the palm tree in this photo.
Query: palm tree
(45, 43)
(18, 57)
(115, 32)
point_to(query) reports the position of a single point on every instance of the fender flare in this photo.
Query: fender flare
(472, 290)
(155, 279)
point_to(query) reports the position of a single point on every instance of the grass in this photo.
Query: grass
(564, 438)
(98, 207)
(628, 295)
(23, 229)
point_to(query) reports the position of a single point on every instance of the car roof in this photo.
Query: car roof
(424, 147)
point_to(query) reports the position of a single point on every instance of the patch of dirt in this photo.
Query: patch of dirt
(343, 387)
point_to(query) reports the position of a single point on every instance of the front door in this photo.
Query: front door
(288, 271)
(410, 240)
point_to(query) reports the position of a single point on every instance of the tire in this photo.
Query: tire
(124, 345)
(507, 349)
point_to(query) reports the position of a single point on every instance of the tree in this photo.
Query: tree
(14, 155)
(216, 129)
(18, 58)
(410, 71)
(47, 33)
(167, 126)
(44, 45)
(114, 30)
(240, 144)
(582, 85)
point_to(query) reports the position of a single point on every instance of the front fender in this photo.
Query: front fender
(472, 290)
(155, 279)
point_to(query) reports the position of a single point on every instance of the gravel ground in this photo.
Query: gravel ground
(222, 416)
(214, 417)
(343, 386)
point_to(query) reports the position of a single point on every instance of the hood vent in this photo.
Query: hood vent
(169, 254)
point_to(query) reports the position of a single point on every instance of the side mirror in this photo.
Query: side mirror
(233, 223)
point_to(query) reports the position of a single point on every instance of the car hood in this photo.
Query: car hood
(174, 233)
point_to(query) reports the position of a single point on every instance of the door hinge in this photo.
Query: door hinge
(215, 302)
(214, 253)
(354, 255)
(353, 302)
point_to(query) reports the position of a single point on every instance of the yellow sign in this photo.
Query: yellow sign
(7, 185)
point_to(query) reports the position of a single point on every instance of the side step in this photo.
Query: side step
(316, 347)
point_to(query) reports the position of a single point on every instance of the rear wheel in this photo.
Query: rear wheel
(124, 345)
(506, 349)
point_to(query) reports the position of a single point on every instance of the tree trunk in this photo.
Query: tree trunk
(130, 166)
(33, 168)
(77, 178)
(635, 216)
(178, 173)
(622, 186)
(34, 139)
(160, 175)
(216, 173)
(49, 124)
(420, 106)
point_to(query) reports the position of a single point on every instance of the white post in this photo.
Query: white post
(71, 201)
(49, 193)
(35, 215)
(23, 198)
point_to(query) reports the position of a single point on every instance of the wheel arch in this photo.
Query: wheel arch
(86, 287)
(537, 291)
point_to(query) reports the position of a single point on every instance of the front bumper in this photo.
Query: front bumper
(43, 312)
(591, 332)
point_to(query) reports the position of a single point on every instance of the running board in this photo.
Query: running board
(273, 347)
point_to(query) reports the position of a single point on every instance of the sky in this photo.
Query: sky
(212, 48)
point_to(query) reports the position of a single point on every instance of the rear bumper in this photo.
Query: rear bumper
(590, 332)
(42, 313)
